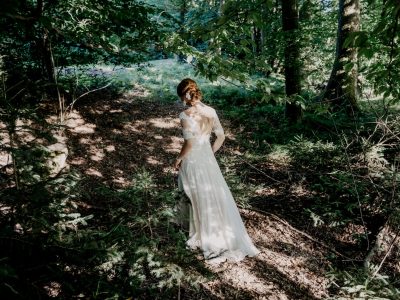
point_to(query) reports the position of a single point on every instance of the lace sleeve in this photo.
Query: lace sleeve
(217, 127)
(187, 131)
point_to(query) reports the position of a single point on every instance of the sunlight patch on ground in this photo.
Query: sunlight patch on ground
(85, 141)
(84, 129)
(97, 155)
(74, 120)
(54, 119)
(286, 259)
(280, 156)
(121, 181)
(298, 190)
(164, 122)
(77, 161)
(4, 137)
(77, 124)
(110, 148)
(244, 278)
(116, 131)
(112, 111)
(93, 172)
(5, 158)
(267, 191)
(22, 132)
(175, 145)
(23, 122)
(153, 161)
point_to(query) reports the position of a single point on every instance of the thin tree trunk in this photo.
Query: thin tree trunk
(342, 85)
(290, 23)
(257, 40)
(182, 15)
(218, 50)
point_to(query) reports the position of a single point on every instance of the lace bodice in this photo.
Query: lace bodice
(199, 122)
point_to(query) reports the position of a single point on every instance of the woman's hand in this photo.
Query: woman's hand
(177, 163)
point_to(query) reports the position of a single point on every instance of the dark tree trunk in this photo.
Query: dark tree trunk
(256, 41)
(290, 23)
(342, 85)
(47, 57)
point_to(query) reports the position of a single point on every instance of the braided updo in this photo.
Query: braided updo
(188, 89)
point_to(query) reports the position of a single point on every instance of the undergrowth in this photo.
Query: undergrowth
(347, 170)
(94, 242)
(88, 240)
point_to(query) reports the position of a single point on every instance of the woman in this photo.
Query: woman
(215, 224)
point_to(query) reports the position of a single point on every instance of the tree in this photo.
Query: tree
(290, 25)
(72, 32)
(342, 85)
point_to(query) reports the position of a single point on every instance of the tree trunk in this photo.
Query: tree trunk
(47, 58)
(256, 37)
(182, 14)
(290, 23)
(220, 13)
(341, 89)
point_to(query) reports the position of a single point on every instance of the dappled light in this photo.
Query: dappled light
(283, 253)
(199, 150)
(93, 172)
(127, 142)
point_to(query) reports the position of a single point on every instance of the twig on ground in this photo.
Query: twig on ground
(84, 94)
(260, 171)
(386, 255)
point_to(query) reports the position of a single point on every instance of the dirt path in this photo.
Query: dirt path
(111, 139)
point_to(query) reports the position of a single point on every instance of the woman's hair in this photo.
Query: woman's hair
(189, 89)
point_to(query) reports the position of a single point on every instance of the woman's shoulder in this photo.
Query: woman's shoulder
(208, 110)
(185, 114)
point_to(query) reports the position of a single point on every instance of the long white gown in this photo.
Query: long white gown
(215, 223)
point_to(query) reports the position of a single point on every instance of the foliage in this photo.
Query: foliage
(89, 240)
(379, 48)
(132, 251)
(44, 36)
(358, 284)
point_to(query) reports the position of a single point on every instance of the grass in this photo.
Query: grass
(158, 80)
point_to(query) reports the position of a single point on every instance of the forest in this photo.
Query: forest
(307, 91)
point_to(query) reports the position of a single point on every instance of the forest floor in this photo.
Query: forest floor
(110, 140)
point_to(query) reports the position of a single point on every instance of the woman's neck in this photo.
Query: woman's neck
(196, 103)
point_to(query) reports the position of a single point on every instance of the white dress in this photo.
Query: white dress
(215, 223)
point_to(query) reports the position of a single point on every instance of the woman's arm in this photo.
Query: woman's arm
(187, 146)
(218, 142)
(219, 132)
